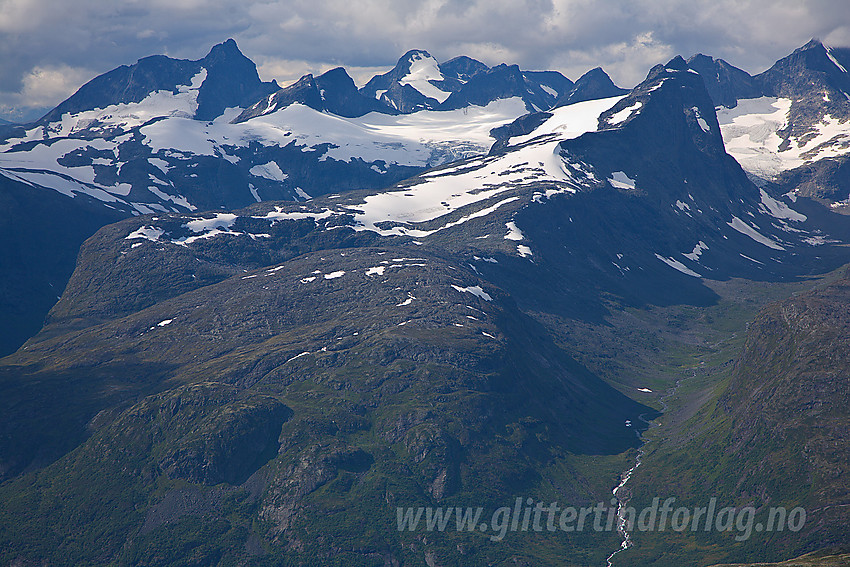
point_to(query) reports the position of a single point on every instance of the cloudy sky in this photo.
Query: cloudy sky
(48, 48)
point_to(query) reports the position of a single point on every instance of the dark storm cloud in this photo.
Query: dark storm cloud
(49, 47)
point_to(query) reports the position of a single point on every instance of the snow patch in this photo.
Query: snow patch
(303, 194)
(698, 250)
(474, 290)
(219, 221)
(160, 164)
(523, 250)
(677, 265)
(747, 230)
(778, 209)
(147, 232)
(279, 215)
(305, 353)
(549, 90)
(514, 233)
(700, 120)
(177, 200)
(270, 170)
(623, 115)
(407, 301)
(620, 180)
(834, 60)
(424, 69)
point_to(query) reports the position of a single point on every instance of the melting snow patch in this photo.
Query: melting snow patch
(270, 170)
(305, 353)
(423, 70)
(683, 206)
(623, 115)
(376, 271)
(303, 194)
(698, 250)
(620, 180)
(750, 259)
(834, 60)
(778, 209)
(514, 233)
(407, 301)
(644, 390)
(334, 275)
(523, 250)
(676, 265)
(700, 120)
(160, 164)
(487, 335)
(221, 220)
(474, 290)
(164, 323)
(178, 200)
(308, 279)
(147, 232)
(747, 230)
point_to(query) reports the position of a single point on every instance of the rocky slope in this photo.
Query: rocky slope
(324, 390)
(39, 253)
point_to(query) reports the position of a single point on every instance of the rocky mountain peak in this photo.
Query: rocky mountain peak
(462, 68)
(230, 79)
(812, 67)
(594, 84)
(725, 83)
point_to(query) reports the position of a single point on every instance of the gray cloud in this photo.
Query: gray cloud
(49, 47)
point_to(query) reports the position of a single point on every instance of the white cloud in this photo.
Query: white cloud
(42, 85)
(290, 37)
(42, 88)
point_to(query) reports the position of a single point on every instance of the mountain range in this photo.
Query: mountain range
(277, 314)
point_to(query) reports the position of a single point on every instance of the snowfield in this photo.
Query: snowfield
(163, 123)
(751, 135)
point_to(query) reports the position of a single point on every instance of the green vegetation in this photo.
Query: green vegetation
(244, 409)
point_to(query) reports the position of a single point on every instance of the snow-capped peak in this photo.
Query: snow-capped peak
(424, 69)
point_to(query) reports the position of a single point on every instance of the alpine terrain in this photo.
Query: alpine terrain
(254, 325)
